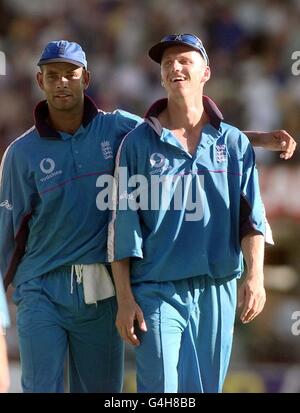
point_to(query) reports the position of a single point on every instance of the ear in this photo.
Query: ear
(206, 75)
(40, 80)
(86, 76)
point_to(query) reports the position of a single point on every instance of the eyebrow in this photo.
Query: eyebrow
(54, 72)
(170, 57)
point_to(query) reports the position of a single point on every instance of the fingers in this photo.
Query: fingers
(287, 143)
(141, 321)
(248, 305)
(127, 333)
(253, 306)
(127, 326)
(288, 149)
(132, 337)
(254, 312)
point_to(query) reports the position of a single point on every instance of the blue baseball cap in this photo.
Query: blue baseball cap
(156, 52)
(63, 51)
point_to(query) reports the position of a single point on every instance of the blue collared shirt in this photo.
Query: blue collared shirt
(48, 193)
(186, 214)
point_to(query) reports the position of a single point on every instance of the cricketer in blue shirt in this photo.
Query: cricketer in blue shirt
(187, 205)
(50, 222)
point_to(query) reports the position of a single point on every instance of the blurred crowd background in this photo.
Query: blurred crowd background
(250, 45)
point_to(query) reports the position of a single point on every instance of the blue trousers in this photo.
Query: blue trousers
(188, 343)
(51, 322)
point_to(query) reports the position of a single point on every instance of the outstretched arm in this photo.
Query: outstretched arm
(277, 140)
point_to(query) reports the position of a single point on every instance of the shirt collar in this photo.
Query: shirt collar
(210, 108)
(41, 115)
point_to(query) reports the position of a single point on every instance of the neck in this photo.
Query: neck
(184, 113)
(66, 121)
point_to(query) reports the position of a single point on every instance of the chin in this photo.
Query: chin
(64, 105)
(180, 92)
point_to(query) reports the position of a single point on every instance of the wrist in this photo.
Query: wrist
(124, 295)
(255, 273)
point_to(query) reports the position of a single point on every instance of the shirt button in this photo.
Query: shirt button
(80, 166)
(76, 151)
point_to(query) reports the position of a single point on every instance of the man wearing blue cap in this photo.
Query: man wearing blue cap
(54, 230)
(179, 235)
(53, 235)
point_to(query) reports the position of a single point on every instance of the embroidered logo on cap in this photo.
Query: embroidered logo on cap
(62, 48)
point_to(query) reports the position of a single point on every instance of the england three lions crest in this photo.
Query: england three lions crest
(221, 153)
(107, 150)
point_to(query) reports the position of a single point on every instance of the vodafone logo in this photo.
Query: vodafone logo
(6, 204)
(47, 165)
(157, 160)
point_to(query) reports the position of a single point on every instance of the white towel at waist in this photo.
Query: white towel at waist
(97, 283)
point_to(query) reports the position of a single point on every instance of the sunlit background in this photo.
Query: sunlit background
(250, 45)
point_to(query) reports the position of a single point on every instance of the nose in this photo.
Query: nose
(62, 81)
(176, 65)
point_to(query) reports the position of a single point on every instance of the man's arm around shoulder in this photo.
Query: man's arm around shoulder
(276, 140)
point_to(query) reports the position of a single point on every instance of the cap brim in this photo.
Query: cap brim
(60, 60)
(156, 52)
